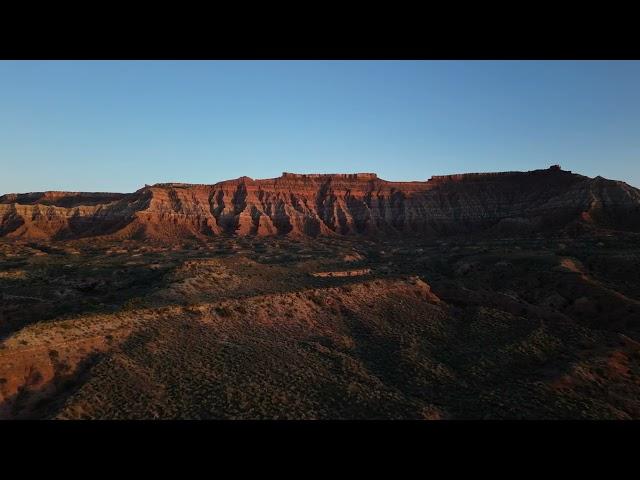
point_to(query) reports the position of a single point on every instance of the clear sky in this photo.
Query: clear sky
(114, 126)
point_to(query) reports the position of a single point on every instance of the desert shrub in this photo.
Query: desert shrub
(317, 299)
(132, 304)
(34, 377)
(223, 311)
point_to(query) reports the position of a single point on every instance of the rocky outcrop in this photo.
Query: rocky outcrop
(332, 204)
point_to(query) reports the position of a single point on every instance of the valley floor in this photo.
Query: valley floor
(278, 328)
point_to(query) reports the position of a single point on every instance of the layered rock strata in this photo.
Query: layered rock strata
(331, 204)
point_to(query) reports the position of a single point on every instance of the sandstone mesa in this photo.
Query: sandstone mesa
(330, 205)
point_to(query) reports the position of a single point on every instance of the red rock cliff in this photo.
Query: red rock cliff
(332, 204)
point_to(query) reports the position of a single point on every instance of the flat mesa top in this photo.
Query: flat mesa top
(363, 176)
(366, 176)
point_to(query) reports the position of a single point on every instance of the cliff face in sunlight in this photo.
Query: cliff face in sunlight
(332, 204)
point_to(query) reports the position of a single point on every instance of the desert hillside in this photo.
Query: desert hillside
(324, 328)
(477, 296)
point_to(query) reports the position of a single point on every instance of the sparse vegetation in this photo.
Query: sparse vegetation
(218, 332)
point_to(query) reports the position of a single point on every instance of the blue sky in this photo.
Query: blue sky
(114, 126)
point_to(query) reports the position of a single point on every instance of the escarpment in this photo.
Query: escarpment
(328, 205)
